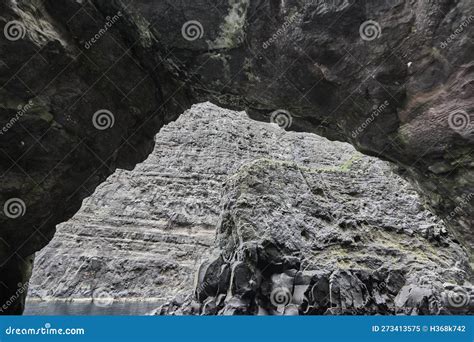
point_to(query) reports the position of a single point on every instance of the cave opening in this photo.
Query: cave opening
(86, 85)
(230, 215)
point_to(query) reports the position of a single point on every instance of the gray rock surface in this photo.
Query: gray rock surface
(154, 222)
(296, 239)
(290, 208)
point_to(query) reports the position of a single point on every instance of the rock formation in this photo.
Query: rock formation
(69, 117)
(143, 233)
(394, 78)
(86, 84)
(297, 240)
(304, 225)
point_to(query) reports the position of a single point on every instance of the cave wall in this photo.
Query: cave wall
(393, 78)
(85, 85)
(69, 115)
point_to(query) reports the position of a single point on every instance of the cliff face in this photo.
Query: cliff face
(393, 78)
(85, 86)
(143, 232)
(297, 240)
(291, 209)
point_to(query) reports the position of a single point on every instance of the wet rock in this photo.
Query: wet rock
(269, 226)
(416, 299)
(144, 233)
(275, 200)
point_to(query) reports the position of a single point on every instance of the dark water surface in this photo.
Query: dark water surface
(86, 309)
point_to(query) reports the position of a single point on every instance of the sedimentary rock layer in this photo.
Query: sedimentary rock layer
(287, 206)
(143, 233)
(296, 240)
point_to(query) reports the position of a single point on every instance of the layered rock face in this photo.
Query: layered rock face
(143, 233)
(298, 240)
(85, 86)
(394, 78)
(304, 225)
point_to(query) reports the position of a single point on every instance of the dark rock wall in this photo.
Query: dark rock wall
(53, 91)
